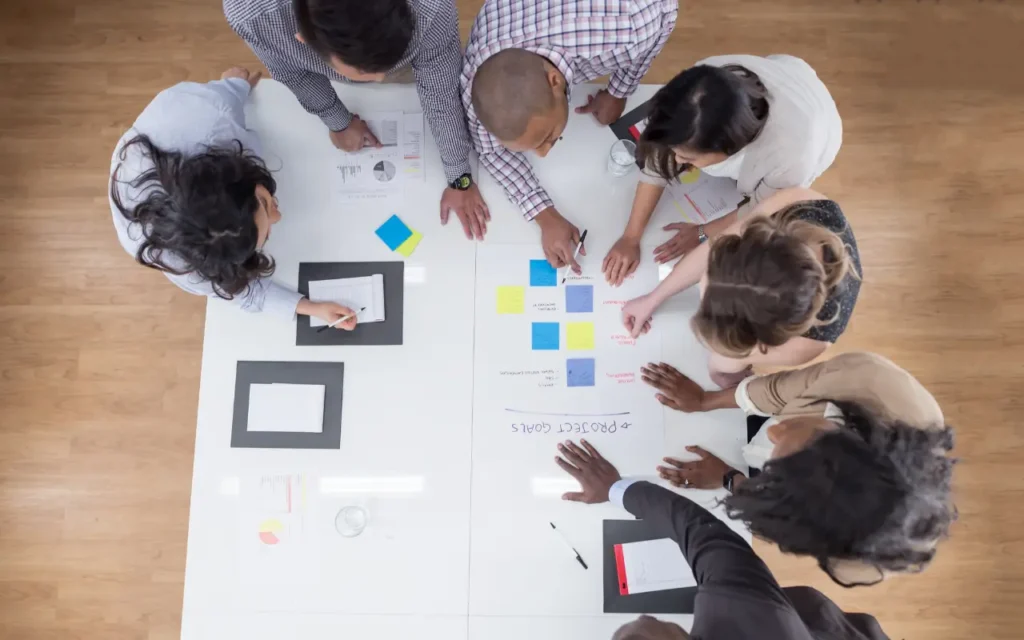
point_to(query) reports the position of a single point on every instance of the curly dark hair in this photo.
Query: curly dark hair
(875, 492)
(198, 213)
(705, 109)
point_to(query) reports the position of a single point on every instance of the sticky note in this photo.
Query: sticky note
(407, 247)
(579, 336)
(545, 336)
(542, 274)
(394, 232)
(511, 299)
(580, 372)
(579, 298)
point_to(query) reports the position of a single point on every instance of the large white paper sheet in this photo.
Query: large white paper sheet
(292, 408)
(355, 293)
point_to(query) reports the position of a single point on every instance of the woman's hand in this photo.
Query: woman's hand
(706, 473)
(677, 391)
(252, 77)
(330, 312)
(622, 260)
(636, 314)
(686, 240)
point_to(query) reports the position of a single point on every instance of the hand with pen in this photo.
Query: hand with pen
(329, 312)
(560, 239)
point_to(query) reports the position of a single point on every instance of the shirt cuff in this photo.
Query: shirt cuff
(743, 399)
(338, 118)
(620, 88)
(535, 203)
(617, 493)
(455, 171)
(281, 302)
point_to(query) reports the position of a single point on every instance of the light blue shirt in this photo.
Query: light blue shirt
(187, 118)
(617, 492)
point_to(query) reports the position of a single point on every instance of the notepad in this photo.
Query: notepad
(651, 565)
(354, 293)
(286, 408)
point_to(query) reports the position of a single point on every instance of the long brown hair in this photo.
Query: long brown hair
(768, 284)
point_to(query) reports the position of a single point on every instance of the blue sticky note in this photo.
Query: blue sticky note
(580, 372)
(579, 298)
(545, 336)
(394, 232)
(542, 274)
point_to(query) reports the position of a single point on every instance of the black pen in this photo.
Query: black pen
(340, 320)
(562, 538)
(583, 239)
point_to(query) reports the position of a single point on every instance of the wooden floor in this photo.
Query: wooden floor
(99, 358)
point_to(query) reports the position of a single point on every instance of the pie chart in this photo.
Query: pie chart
(384, 171)
(270, 531)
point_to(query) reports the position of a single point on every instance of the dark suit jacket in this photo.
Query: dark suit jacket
(737, 596)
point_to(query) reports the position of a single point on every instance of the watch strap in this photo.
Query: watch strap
(728, 478)
(463, 182)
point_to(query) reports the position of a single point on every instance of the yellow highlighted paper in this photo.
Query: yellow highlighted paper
(579, 336)
(407, 247)
(511, 299)
(691, 176)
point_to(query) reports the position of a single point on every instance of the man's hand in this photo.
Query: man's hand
(595, 474)
(330, 312)
(252, 77)
(471, 209)
(685, 241)
(621, 261)
(605, 107)
(706, 473)
(677, 391)
(559, 237)
(355, 137)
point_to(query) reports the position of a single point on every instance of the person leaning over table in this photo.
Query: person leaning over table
(307, 43)
(777, 288)
(769, 123)
(853, 463)
(737, 596)
(191, 197)
(522, 61)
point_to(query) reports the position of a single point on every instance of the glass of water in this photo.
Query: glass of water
(622, 157)
(351, 521)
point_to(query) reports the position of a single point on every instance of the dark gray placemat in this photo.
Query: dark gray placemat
(668, 601)
(329, 374)
(371, 333)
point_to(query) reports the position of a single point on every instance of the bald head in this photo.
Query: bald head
(647, 628)
(509, 89)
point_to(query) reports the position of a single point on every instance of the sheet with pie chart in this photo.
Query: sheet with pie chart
(379, 172)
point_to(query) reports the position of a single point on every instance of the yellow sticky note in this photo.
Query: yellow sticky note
(511, 299)
(579, 336)
(407, 247)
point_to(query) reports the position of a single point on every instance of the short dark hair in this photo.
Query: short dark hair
(510, 88)
(874, 491)
(370, 35)
(198, 213)
(704, 109)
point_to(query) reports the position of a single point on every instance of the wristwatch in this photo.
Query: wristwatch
(701, 236)
(463, 182)
(728, 478)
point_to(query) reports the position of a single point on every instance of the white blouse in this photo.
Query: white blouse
(798, 142)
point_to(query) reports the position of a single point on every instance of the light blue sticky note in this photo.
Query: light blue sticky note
(579, 298)
(394, 232)
(542, 274)
(545, 336)
(580, 372)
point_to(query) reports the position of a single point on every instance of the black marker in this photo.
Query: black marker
(578, 557)
(583, 239)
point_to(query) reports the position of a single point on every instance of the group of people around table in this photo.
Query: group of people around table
(848, 457)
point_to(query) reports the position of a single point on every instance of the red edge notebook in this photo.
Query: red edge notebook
(620, 571)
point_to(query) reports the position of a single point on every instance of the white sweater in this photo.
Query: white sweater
(800, 139)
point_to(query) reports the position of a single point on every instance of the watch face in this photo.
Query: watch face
(462, 183)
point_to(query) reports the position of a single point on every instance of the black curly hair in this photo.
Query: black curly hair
(874, 492)
(705, 109)
(370, 36)
(199, 212)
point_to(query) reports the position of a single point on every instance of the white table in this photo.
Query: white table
(438, 559)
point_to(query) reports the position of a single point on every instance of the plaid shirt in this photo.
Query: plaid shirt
(435, 53)
(584, 39)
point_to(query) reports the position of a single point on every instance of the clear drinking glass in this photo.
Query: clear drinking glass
(351, 521)
(622, 158)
